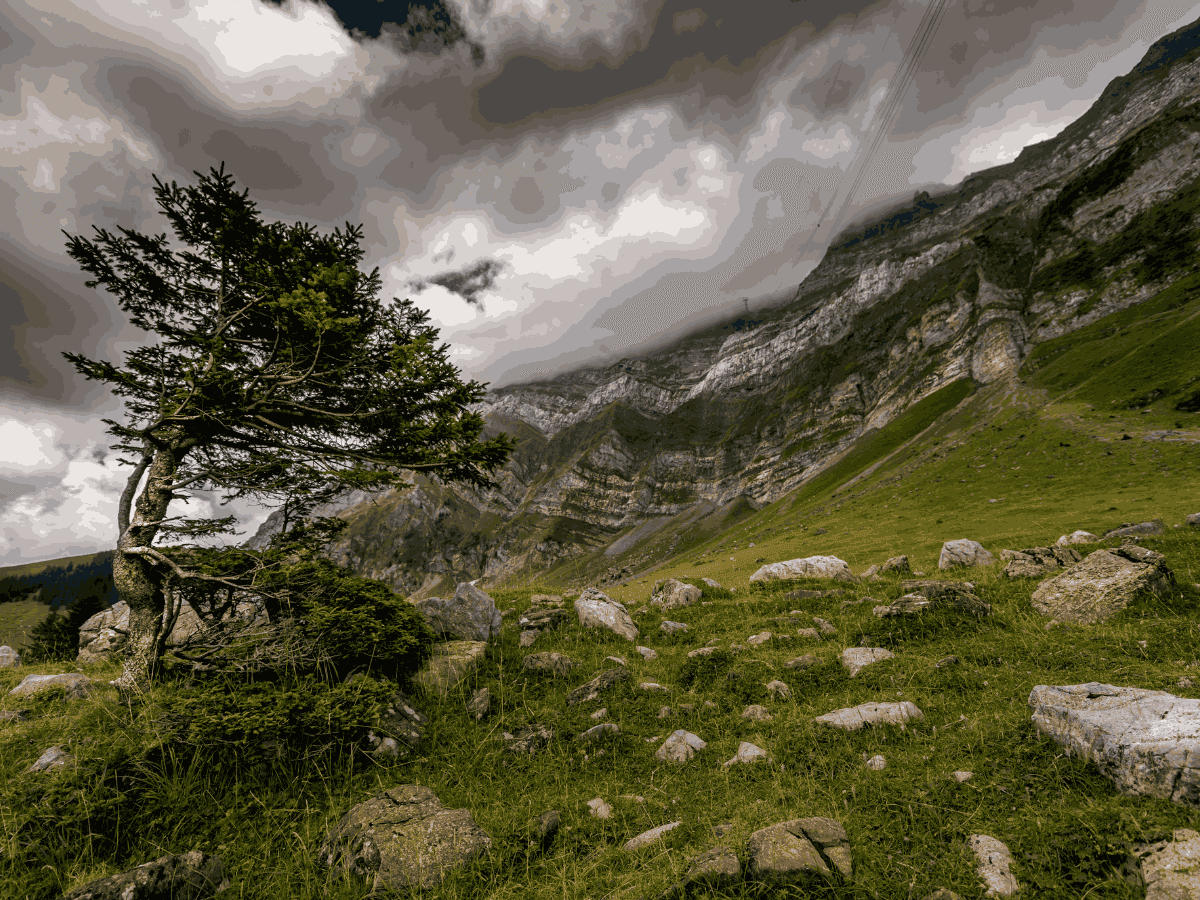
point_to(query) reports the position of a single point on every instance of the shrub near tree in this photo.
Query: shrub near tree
(272, 370)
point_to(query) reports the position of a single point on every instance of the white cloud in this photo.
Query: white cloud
(767, 138)
(28, 446)
(829, 145)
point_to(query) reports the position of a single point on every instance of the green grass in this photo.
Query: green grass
(17, 619)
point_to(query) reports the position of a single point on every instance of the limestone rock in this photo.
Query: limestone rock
(808, 567)
(807, 661)
(994, 865)
(619, 660)
(713, 870)
(597, 610)
(669, 627)
(908, 605)
(960, 776)
(701, 651)
(958, 594)
(546, 600)
(943, 894)
(1193, 520)
(748, 753)
(1171, 869)
(716, 585)
(104, 634)
(401, 724)
(528, 637)
(1035, 562)
(757, 639)
(480, 704)
(855, 659)
(596, 686)
(543, 619)
(647, 653)
(877, 763)
(649, 837)
(826, 628)
(598, 808)
(471, 615)
(809, 633)
(1104, 583)
(855, 717)
(405, 838)
(52, 758)
(599, 714)
(598, 731)
(187, 876)
(545, 828)
(797, 851)
(654, 687)
(528, 740)
(897, 564)
(1077, 537)
(1146, 742)
(1129, 529)
(449, 664)
(779, 689)
(77, 686)
(14, 715)
(963, 552)
(680, 747)
(554, 663)
(9, 657)
(757, 713)
(674, 594)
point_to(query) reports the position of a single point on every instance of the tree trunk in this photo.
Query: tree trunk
(140, 581)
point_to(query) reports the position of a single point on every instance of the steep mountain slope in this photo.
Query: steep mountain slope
(621, 465)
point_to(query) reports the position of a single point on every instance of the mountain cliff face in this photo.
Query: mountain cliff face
(959, 286)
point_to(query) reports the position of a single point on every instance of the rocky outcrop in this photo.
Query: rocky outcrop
(1103, 584)
(555, 663)
(674, 594)
(187, 876)
(929, 595)
(403, 838)
(799, 851)
(1038, 561)
(1146, 742)
(808, 567)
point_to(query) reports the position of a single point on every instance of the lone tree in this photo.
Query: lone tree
(275, 372)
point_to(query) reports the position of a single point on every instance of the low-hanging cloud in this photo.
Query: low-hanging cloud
(467, 283)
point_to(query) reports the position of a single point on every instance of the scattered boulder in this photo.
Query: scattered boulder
(748, 753)
(797, 851)
(994, 865)
(947, 661)
(596, 732)
(51, 758)
(554, 663)
(701, 651)
(599, 714)
(871, 574)
(959, 594)
(186, 876)
(680, 747)
(598, 610)
(480, 704)
(808, 567)
(471, 615)
(543, 618)
(756, 640)
(897, 564)
(9, 657)
(104, 634)
(712, 584)
(598, 808)
(647, 653)
(960, 776)
(654, 687)
(669, 627)
(715, 869)
(528, 637)
(809, 633)
(1077, 537)
(619, 660)
(1169, 868)
(877, 763)
(826, 628)
(405, 838)
(855, 659)
(1103, 584)
(779, 690)
(1038, 561)
(1145, 742)
(546, 600)
(1194, 520)
(1130, 529)
(757, 713)
(77, 686)
(673, 594)
(649, 837)
(964, 553)
(545, 829)
(449, 664)
(528, 740)
(596, 686)
(855, 717)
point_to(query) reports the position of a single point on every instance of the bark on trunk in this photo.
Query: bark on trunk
(139, 580)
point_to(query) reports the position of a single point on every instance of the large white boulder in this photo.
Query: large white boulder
(1102, 584)
(808, 567)
(1146, 742)
(471, 615)
(597, 610)
(963, 552)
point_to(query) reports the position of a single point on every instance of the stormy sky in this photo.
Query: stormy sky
(555, 181)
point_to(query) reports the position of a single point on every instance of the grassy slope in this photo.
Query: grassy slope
(1053, 462)
(17, 620)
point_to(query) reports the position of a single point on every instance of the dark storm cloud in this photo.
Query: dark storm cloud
(467, 283)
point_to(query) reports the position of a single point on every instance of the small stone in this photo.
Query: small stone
(654, 687)
(480, 704)
(757, 713)
(9, 657)
(701, 651)
(664, 712)
(680, 747)
(961, 776)
(77, 686)
(855, 659)
(619, 660)
(649, 837)
(943, 894)
(598, 808)
(810, 633)
(554, 663)
(748, 753)
(779, 689)
(802, 662)
(994, 865)
(528, 637)
(528, 740)
(877, 763)
(52, 758)
(598, 731)
(855, 717)
(647, 653)
(824, 626)
(947, 661)
(599, 714)
(13, 715)
(593, 688)
(756, 640)
(673, 627)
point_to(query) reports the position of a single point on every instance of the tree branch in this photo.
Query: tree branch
(127, 495)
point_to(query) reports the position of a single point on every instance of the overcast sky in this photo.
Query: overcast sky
(555, 181)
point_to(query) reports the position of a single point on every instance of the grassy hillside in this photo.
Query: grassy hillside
(17, 619)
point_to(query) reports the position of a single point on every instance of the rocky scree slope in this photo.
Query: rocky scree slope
(958, 288)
